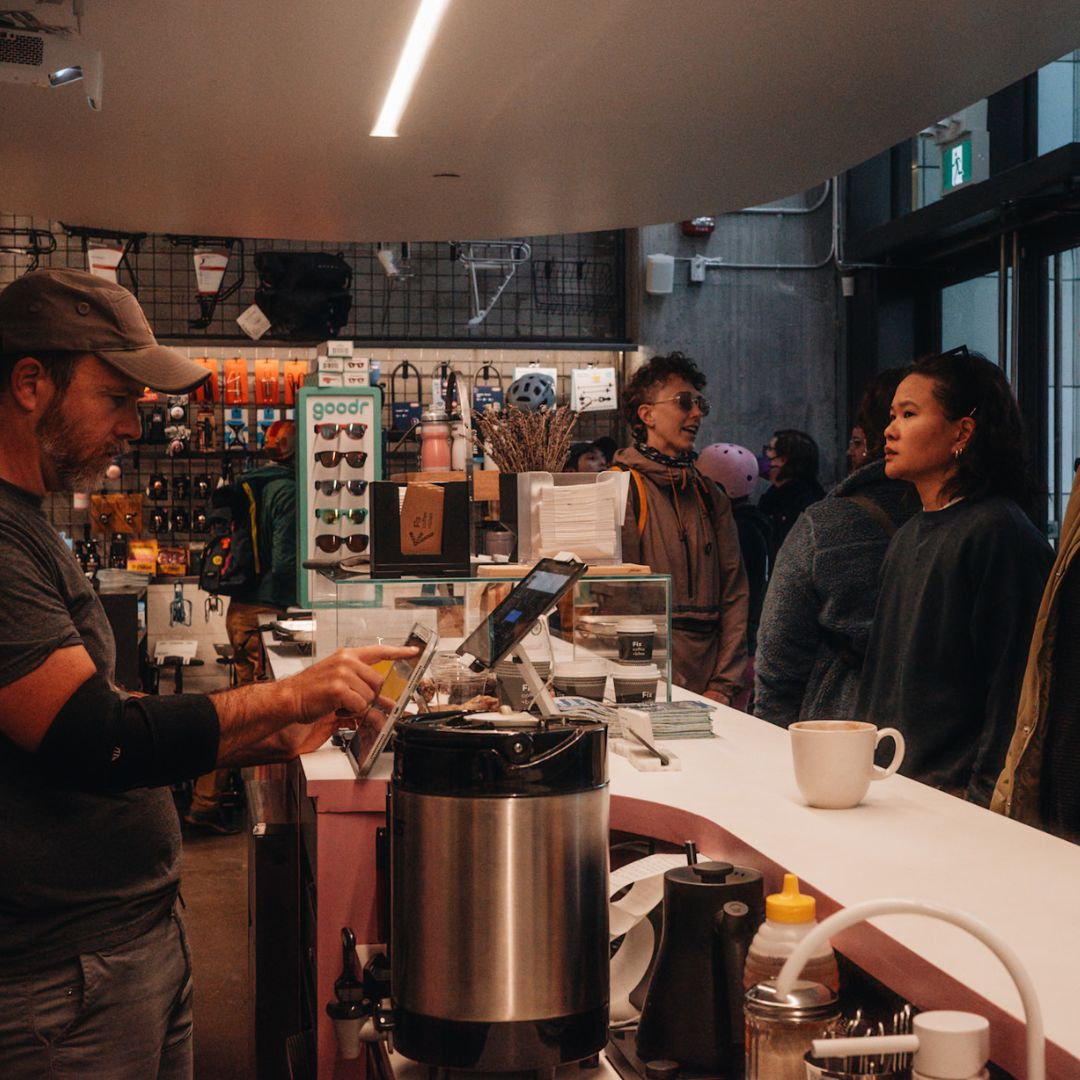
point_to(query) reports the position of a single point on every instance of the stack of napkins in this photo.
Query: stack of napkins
(580, 518)
(679, 719)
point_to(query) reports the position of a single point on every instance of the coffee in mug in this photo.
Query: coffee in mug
(834, 760)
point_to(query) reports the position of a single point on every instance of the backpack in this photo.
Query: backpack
(306, 295)
(639, 498)
(231, 562)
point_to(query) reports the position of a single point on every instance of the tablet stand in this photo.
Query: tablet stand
(533, 681)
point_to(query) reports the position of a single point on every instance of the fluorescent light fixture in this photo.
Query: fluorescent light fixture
(422, 34)
(65, 75)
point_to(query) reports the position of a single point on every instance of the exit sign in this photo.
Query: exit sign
(965, 161)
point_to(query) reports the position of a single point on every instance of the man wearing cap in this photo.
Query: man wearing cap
(94, 970)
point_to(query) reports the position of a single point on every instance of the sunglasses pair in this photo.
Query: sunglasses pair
(355, 459)
(332, 487)
(686, 401)
(330, 542)
(332, 516)
(330, 431)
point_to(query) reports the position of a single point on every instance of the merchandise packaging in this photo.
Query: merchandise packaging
(209, 390)
(142, 556)
(592, 389)
(171, 560)
(267, 389)
(236, 381)
(295, 370)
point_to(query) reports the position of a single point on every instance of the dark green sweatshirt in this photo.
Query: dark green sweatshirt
(276, 522)
(960, 588)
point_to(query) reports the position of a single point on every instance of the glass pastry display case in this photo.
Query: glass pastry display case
(607, 632)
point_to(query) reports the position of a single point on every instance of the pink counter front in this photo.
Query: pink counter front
(736, 798)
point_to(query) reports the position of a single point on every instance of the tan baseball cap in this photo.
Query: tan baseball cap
(76, 312)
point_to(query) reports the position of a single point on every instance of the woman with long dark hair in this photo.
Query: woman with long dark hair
(961, 581)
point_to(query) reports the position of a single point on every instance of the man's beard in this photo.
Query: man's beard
(72, 468)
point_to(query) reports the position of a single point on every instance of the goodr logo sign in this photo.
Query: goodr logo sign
(320, 410)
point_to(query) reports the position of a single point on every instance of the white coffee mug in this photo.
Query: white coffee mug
(834, 760)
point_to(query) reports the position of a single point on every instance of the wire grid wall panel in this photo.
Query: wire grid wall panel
(571, 290)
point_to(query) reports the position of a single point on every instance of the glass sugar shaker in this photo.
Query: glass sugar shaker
(779, 1029)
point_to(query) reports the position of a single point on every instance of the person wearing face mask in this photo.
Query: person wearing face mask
(962, 580)
(680, 523)
(793, 481)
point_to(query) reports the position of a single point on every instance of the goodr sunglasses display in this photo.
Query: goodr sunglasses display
(333, 515)
(355, 459)
(330, 542)
(332, 487)
(330, 431)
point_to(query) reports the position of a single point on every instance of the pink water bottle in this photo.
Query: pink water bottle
(435, 441)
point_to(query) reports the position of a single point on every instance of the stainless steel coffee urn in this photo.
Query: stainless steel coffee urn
(499, 880)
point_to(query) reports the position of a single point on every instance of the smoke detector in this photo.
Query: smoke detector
(48, 54)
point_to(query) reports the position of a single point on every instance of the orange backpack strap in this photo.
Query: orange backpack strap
(642, 499)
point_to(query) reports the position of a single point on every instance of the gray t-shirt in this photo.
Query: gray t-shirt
(78, 872)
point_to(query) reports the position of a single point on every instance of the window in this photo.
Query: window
(1059, 103)
(969, 315)
(1063, 442)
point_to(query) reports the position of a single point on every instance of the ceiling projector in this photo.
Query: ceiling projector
(42, 59)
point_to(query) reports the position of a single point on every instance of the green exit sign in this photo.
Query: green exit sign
(965, 161)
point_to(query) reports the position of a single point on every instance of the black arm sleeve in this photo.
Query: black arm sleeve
(103, 741)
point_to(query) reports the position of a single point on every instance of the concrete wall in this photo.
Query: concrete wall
(768, 340)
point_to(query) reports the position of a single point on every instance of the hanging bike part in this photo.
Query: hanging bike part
(211, 255)
(33, 243)
(107, 250)
(489, 256)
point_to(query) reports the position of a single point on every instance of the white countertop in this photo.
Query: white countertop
(907, 840)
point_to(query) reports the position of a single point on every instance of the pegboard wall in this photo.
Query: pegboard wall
(568, 290)
(235, 443)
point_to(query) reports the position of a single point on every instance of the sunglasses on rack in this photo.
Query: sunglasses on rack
(686, 401)
(333, 515)
(355, 459)
(332, 487)
(330, 542)
(330, 431)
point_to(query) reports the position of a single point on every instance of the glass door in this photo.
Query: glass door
(1063, 404)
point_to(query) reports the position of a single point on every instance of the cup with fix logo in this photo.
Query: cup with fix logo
(834, 760)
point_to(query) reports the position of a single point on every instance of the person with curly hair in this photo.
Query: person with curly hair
(680, 523)
(962, 580)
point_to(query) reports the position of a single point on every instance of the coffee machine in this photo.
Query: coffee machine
(499, 956)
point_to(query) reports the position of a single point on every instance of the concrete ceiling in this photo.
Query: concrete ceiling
(251, 117)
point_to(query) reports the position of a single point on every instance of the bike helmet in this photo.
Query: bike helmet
(531, 392)
(733, 467)
(281, 440)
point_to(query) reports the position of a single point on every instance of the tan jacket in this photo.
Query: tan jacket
(1016, 794)
(708, 580)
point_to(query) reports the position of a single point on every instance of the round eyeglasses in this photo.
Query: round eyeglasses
(332, 515)
(331, 542)
(686, 401)
(355, 459)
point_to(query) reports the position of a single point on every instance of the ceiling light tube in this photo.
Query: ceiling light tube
(422, 34)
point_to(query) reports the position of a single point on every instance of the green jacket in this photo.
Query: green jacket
(276, 523)
(1016, 794)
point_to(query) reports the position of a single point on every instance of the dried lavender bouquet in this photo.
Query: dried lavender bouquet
(520, 441)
